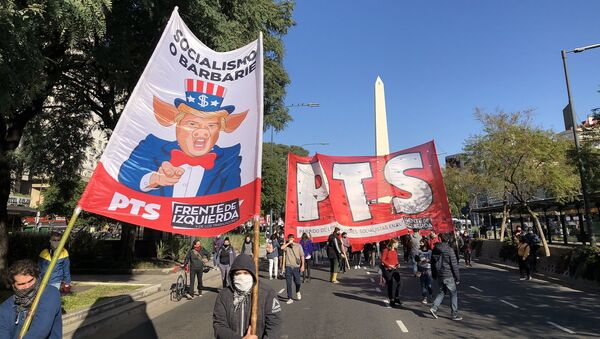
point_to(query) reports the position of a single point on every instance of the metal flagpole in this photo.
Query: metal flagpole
(46, 278)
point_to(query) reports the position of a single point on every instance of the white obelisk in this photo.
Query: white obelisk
(382, 145)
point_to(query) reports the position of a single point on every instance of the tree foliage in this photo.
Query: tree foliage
(527, 160)
(274, 176)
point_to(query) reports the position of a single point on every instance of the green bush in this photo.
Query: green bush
(583, 263)
(508, 251)
(476, 245)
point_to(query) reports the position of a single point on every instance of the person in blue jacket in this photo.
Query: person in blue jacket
(192, 165)
(62, 271)
(24, 277)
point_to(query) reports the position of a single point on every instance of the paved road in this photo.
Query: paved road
(492, 301)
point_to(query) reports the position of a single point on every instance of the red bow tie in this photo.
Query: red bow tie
(179, 158)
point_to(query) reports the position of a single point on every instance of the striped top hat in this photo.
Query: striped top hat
(204, 96)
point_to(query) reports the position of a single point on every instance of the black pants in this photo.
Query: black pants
(392, 280)
(524, 267)
(195, 272)
(306, 273)
(467, 258)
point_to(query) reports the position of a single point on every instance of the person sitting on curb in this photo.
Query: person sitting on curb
(24, 277)
(232, 311)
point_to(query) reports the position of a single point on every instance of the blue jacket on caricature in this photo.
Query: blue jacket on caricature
(46, 323)
(151, 152)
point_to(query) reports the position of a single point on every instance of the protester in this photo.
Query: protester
(307, 247)
(248, 246)
(232, 311)
(273, 256)
(467, 248)
(281, 240)
(217, 243)
(369, 254)
(196, 257)
(516, 237)
(424, 270)
(24, 278)
(356, 251)
(444, 268)
(406, 246)
(226, 256)
(534, 245)
(415, 239)
(61, 274)
(335, 254)
(294, 265)
(432, 240)
(391, 272)
(316, 254)
(345, 251)
(523, 251)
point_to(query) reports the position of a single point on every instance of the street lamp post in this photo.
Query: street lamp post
(582, 173)
(308, 104)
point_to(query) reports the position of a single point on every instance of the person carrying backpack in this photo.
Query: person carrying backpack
(444, 268)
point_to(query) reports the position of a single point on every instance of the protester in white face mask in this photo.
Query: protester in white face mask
(231, 315)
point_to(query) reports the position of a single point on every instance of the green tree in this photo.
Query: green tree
(38, 45)
(274, 176)
(526, 159)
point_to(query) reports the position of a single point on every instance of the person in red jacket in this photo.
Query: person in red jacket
(391, 272)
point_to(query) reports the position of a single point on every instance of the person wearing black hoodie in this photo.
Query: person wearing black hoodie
(232, 311)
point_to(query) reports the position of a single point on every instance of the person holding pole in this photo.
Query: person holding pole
(232, 311)
(23, 276)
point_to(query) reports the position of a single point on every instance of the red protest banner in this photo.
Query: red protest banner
(370, 198)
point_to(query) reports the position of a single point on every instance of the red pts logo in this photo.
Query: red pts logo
(134, 206)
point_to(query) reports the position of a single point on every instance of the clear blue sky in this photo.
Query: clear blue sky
(439, 60)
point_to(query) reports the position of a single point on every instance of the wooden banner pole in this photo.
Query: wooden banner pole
(256, 240)
(46, 278)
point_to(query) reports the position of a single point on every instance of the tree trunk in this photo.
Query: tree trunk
(536, 221)
(4, 194)
(127, 245)
(505, 213)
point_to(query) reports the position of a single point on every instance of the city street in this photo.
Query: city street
(492, 301)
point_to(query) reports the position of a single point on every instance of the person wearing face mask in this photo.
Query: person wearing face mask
(225, 256)
(232, 311)
(391, 273)
(196, 257)
(24, 277)
(248, 246)
(335, 254)
(61, 274)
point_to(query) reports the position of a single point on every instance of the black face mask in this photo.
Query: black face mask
(225, 245)
(24, 297)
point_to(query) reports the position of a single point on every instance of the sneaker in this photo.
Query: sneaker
(522, 278)
(290, 301)
(433, 313)
(456, 317)
(424, 301)
(355, 267)
(298, 296)
(335, 282)
(270, 278)
(189, 296)
(529, 278)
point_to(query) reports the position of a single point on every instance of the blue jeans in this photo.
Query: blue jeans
(292, 273)
(426, 284)
(447, 285)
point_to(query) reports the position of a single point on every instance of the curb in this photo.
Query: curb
(132, 271)
(110, 304)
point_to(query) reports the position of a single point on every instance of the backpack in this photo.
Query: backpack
(437, 264)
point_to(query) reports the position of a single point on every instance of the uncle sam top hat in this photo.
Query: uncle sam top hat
(204, 96)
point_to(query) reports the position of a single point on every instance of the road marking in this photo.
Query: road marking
(378, 289)
(281, 290)
(560, 327)
(401, 325)
(476, 289)
(372, 280)
(509, 304)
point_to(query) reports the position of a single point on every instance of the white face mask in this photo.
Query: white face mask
(243, 282)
